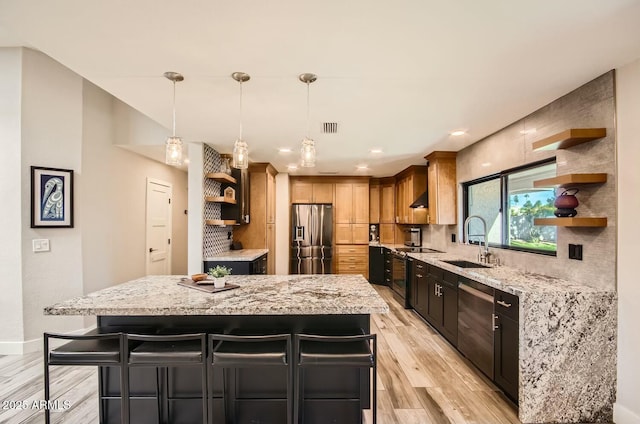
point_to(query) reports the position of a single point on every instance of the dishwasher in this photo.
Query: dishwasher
(475, 324)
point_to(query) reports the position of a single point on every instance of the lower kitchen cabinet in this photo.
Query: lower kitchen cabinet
(352, 259)
(388, 268)
(442, 302)
(376, 265)
(257, 266)
(419, 288)
(505, 343)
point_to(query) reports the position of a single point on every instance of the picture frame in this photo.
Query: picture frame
(51, 197)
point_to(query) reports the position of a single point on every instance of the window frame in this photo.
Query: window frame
(503, 177)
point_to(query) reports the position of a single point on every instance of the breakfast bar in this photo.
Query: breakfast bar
(261, 304)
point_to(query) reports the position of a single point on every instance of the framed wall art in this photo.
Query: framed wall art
(51, 197)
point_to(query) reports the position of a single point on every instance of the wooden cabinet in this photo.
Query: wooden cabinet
(311, 192)
(442, 188)
(387, 202)
(505, 343)
(442, 302)
(352, 203)
(352, 259)
(351, 234)
(376, 264)
(259, 233)
(410, 184)
(419, 288)
(388, 233)
(374, 203)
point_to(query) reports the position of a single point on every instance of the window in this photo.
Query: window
(508, 203)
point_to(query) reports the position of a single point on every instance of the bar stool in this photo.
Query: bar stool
(312, 350)
(247, 351)
(174, 350)
(99, 347)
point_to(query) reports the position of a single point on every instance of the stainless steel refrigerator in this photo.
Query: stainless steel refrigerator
(312, 235)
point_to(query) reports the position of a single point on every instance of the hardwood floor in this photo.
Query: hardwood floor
(421, 380)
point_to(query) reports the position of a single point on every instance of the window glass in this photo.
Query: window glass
(483, 199)
(526, 203)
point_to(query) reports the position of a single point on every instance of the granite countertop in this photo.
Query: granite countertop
(238, 255)
(504, 278)
(257, 295)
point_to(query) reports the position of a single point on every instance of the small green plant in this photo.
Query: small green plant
(219, 271)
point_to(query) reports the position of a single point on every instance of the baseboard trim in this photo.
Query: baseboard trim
(623, 415)
(31, 346)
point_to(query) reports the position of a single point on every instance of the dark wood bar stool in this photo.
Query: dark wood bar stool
(353, 351)
(99, 347)
(250, 351)
(173, 350)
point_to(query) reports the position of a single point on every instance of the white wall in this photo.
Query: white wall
(627, 407)
(283, 221)
(11, 329)
(196, 207)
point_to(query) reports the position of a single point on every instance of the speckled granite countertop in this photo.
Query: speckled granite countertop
(257, 295)
(239, 255)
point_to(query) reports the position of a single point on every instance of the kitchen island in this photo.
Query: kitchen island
(291, 303)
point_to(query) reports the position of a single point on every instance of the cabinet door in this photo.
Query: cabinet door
(271, 245)
(421, 287)
(387, 233)
(344, 234)
(301, 192)
(360, 233)
(450, 313)
(271, 199)
(360, 203)
(434, 303)
(387, 204)
(374, 204)
(322, 193)
(505, 355)
(400, 187)
(344, 203)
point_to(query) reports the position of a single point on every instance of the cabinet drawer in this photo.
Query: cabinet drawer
(353, 269)
(352, 250)
(507, 304)
(350, 260)
(436, 272)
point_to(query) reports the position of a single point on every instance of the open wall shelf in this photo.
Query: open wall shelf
(220, 222)
(572, 222)
(571, 179)
(220, 199)
(569, 138)
(221, 177)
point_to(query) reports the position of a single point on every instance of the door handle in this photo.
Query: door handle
(151, 250)
(495, 322)
(503, 303)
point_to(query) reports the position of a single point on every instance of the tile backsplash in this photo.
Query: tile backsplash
(215, 239)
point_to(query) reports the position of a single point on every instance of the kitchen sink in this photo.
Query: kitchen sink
(466, 264)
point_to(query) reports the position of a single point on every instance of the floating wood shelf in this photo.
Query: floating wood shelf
(221, 177)
(572, 222)
(571, 179)
(569, 138)
(220, 222)
(220, 199)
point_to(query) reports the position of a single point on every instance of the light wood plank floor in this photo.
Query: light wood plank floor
(421, 380)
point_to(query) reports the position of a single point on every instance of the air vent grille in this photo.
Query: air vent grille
(329, 127)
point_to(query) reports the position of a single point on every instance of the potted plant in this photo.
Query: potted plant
(219, 274)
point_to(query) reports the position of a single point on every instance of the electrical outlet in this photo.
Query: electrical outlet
(453, 237)
(575, 251)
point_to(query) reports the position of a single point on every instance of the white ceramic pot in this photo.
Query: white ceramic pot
(219, 282)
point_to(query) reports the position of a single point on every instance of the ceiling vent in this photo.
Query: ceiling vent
(329, 127)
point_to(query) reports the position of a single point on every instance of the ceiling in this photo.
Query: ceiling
(398, 76)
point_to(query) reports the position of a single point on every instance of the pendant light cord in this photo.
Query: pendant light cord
(174, 108)
(308, 110)
(240, 110)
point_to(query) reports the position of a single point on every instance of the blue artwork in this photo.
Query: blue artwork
(51, 198)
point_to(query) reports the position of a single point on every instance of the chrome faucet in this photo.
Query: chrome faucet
(483, 255)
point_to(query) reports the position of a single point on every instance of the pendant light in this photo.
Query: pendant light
(173, 148)
(240, 148)
(308, 149)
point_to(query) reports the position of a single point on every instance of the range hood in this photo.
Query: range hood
(421, 202)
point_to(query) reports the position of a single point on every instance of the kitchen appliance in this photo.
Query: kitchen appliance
(475, 324)
(413, 236)
(312, 233)
(399, 277)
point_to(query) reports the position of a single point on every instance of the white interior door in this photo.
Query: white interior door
(158, 249)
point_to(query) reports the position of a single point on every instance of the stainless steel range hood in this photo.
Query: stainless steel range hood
(421, 202)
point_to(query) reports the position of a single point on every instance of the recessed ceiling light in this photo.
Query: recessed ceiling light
(362, 167)
(529, 131)
(485, 164)
(457, 132)
(292, 167)
(284, 150)
(375, 151)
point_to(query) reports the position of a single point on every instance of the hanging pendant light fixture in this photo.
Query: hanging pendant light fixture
(308, 149)
(173, 148)
(240, 148)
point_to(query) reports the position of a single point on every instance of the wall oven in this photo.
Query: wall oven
(399, 278)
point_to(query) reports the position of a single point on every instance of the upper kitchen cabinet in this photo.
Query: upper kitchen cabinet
(411, 183)
(352, 203)
(374, 201)
(260, 232)
(387, 201)
(442, 188)
(311, 192)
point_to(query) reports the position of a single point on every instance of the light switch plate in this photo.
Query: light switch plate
(41, 245)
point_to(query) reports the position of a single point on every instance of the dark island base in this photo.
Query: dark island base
(173, 395)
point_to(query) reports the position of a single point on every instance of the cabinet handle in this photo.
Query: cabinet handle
(419, 275)
(495, 322)
(439, 290)
(419, 266)
(503, 303)
(435, 290)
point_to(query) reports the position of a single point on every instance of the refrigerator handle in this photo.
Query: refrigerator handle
(298, 233)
